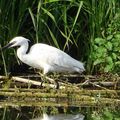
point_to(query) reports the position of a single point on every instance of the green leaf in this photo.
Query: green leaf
(108, 68)
(117, 36)
(33, 18)
(117, 63)
(95, 47)
(109, 37)
(114, 56)
(99, 41)
(98, 61)
(101, 50)
(50, 15)
(108, 115)
(109, 60)
(48, 1)
(109, 45)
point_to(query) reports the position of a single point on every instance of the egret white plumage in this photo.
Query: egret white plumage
(45, 57)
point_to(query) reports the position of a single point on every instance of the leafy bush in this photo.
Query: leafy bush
(106, 50)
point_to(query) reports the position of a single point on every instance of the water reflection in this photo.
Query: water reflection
(36, 113)
(61, 117)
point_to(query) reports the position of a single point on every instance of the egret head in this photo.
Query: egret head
(17, 41)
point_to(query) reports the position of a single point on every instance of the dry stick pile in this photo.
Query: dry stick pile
(88, 91)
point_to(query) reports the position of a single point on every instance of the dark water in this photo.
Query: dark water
(60, 117)
(38, 113)
(58, 113)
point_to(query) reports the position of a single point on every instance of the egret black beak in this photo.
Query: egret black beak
(8, 45)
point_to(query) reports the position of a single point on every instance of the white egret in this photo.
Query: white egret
(45, 57)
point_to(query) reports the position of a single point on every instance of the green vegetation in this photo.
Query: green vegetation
(105, 114)
(87, 30)
(105, 54)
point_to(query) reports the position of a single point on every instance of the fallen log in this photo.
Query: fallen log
(89, 82)
(56, 101)
(38, 83)
(59, 93)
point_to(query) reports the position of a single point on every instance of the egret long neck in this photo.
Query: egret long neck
(21, 52)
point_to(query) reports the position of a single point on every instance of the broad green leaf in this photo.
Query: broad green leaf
(117, 36)
(109, 60)
(95, 47)
(114, 56)
(116, 44)
(108, 68)
(98, 61)
(108, 45)
(109, 37)
(99, 41)
(101, 50)
(117, 63)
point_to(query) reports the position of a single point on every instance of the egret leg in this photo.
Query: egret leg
(57, 84)
(51, 79)
(43, 79)
(55, 76)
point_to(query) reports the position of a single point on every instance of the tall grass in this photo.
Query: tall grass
(12, 23)
(69, 25)
(53, 19)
